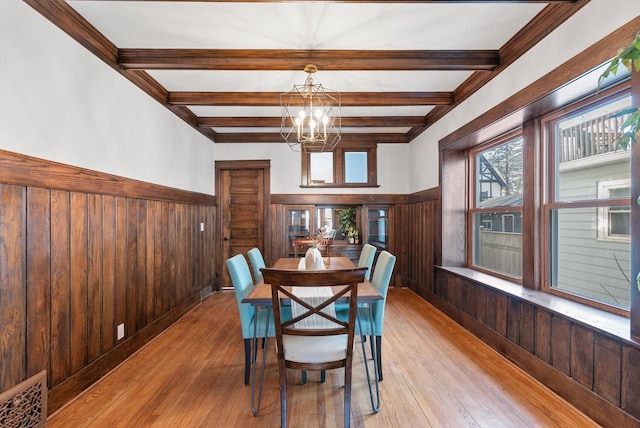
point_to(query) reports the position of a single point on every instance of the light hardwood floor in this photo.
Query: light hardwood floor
(436, 374)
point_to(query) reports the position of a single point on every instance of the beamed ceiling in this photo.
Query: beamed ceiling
(222, 65)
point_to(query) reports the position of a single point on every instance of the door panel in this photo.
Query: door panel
(242, 206)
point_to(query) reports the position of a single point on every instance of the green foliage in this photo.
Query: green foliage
(347, 219)
(629, 57)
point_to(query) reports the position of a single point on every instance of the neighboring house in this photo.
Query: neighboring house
(490, 181)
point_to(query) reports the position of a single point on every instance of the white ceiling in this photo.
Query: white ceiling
(308, 25)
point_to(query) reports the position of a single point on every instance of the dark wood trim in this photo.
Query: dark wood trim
(347, 99)
(342, 199)
(635, 217)
(296, 59)
(550, 18)
(365, 121)
(30, 171)
(427, 195)
(358, 140)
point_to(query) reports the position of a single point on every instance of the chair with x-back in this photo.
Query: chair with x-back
(314, 338)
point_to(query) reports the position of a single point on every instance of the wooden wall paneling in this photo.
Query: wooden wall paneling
(171, 255)
(141, 267)
(95, 225)
(491, 308)
(195, 250)
(543, 335)
(582, 345)
(527, 327)
(38, 277)
(631, 380)
(131, 254)
(513, 320)
(607, 369)
(149, 263)
(121, 267)
(78, 287)
(13, 322)
(561, 344)
(481, 304)
(166, 258)
(159, 249)
(60, 290)
(109, 277)
(502, 304)
(468, 298)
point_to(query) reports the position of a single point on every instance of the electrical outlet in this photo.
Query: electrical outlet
(201, 227)
(120, 331)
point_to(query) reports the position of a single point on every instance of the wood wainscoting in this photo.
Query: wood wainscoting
(82, 252)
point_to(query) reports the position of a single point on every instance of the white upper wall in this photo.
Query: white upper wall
(62, 103)
(286, 167)
(593, 22)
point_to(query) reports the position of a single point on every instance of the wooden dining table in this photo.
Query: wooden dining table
(260, 296)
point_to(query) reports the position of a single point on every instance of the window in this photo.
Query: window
(614, 223)
(355, 167)
(587, 209)
(321, 167)
(343, 167)
(497, 171)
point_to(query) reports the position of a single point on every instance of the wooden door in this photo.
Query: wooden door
(243, 190)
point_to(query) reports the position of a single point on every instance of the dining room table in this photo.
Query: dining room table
(260, 297)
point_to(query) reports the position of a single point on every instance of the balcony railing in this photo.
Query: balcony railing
(594, 137)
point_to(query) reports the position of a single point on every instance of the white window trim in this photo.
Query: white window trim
(604, 188)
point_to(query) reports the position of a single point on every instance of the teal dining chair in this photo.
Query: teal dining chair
(372, 321)
(256, 323)
(257, 262)
(366, 258)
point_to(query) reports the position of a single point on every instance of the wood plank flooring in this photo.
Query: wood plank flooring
(435, 374)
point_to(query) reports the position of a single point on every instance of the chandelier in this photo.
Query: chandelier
(310, 116)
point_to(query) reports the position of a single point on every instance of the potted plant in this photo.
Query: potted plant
(351, 235)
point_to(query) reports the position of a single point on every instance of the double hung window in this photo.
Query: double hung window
(587, 208)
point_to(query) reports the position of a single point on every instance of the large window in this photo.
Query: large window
(587, 208)
(343, 167)
(495, 214)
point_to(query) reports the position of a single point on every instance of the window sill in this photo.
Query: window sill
(597, 319)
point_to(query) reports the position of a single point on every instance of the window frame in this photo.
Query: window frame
(473, 196)
(549, 201)
(339, 168)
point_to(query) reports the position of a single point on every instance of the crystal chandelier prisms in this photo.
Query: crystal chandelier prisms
(310, 116)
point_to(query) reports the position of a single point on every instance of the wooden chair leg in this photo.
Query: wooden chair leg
(347, 395)
(283, 394)
(247, 360)
(379, 355)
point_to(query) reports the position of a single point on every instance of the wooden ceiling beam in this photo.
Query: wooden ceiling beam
(269, 122)
(347, 99)
(274, 137)
(290, 59)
